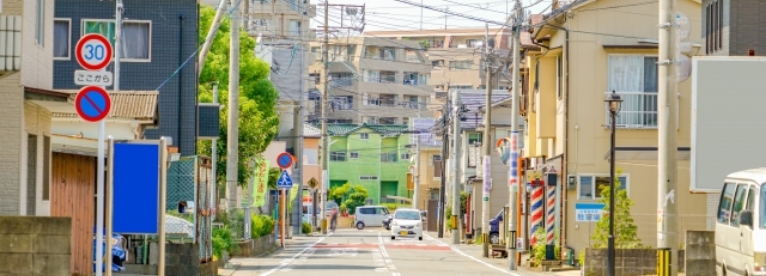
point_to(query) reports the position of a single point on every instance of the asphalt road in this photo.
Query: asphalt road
(368, 252)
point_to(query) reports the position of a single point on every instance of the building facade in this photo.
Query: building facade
(455, 55)
(568, 123)
(25, 130)
(155, 43)
(374, 156)
(372, 81)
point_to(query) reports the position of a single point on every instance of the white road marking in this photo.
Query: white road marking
(385, 252)
(286, 262)
(503, 270)
(396, 274)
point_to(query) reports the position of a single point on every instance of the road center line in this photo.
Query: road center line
(474, 258)
(296, 256)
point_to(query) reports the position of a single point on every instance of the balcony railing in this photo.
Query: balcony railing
(341, 82)
(638, 110)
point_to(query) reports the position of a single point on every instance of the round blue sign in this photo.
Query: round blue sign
(93, 103)
(284, 160)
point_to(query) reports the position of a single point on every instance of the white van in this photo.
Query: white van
(370, 216)
(740, 230)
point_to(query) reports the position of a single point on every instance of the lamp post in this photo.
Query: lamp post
(614, 107)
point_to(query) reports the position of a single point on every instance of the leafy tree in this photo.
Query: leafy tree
(625, 230)
(258, 119)
(349, 196)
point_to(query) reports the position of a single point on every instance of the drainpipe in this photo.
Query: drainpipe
(181, 18)
(563, 176)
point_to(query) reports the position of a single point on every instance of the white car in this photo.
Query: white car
(407, 223)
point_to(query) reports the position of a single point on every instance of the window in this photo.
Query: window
(559, 80)
(739, 202)
(368, 177)
(31, 174)
(591, 185)
(388, 157)
(295, 28)
(461, 64)
(353, 155)
(762, 210)
(405, 120)
(135, 43)
(46, 167)
(437, 163)
(406, 156)
(388, 54)
(40, 22)
(364, 136)
(387, 120)
(474, 138)
(338, 156)
(724, 205)
(634, 78)
(341, 103)
(62, 34)
(713, 27)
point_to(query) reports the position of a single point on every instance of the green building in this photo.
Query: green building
(374, 156)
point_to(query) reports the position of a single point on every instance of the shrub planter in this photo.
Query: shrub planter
(628, 262)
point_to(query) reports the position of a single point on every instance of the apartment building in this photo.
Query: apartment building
(568, 123)
(372, 80)
(456, 54)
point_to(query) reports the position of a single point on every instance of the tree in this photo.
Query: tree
(625, 230)
(349, 196)
(258, 119)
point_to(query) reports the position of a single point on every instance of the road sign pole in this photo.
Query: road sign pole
(282, 212)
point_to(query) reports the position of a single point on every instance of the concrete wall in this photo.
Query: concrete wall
(11, 133)
(37, 59)
(700, 253)
(628, 262)
(32, 246)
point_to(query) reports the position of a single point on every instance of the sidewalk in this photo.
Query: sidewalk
(475, 251)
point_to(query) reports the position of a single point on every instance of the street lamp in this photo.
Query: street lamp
(614, 107)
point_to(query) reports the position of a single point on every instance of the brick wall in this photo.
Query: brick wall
(32, 246)
(166, 56)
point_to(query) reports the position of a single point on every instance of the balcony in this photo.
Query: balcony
(344, 82)
(637, 111)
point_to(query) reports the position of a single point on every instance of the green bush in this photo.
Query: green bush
(306, 228)
(222, 241)
(261, 225)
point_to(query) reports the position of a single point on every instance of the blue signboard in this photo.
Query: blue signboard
(284, 182)
(136, 188)
(591, 211)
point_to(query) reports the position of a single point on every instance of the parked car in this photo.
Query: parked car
(370, 216)
(407, 223)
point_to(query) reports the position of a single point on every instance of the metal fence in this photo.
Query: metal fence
(190, 204)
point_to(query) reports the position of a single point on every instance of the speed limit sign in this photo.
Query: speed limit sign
(93, 52)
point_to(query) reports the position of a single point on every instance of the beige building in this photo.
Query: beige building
(456, 54)
(613, 49)
(373, 80)
(26, 79)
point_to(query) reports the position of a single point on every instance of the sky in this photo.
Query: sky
(395, 15)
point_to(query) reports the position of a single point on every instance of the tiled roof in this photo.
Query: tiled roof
(311, 131)
(138, 105)
(345, 129)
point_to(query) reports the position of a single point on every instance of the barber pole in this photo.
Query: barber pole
(550, 221)
(537, 210)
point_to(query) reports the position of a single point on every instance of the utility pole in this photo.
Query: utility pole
(456, 167)
(421, 15)
(445, 141)
(514, 173)
(667, 232)
(232, 141)
(487, 176)
(214, 159)
(416, 194)
(298, 169)
(325, 137)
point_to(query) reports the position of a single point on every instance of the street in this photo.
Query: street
(371, 252)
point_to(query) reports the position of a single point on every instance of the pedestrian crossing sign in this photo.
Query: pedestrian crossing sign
(284, 181)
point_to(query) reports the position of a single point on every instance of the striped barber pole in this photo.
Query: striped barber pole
(537, 212)
(550, 221)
